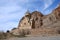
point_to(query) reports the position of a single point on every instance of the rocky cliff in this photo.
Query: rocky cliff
(38, 23)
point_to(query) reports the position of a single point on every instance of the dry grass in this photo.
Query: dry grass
(3, 35)
(9, 35)
(22, 33)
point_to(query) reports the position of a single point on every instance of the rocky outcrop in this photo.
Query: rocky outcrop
(36, 20)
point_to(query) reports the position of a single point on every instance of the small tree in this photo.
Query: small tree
(8, 31)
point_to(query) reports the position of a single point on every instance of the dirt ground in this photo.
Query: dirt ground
(36, 38)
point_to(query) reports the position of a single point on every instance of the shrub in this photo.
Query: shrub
(58, 31)
(22, 33)
(3, 35)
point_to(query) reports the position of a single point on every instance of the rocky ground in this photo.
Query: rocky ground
(36, 38)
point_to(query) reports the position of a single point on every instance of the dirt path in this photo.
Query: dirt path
(37, 38)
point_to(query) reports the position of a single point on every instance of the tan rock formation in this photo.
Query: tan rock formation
(35, 20)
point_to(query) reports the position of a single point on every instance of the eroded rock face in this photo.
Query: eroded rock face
(33, 20)
(36, 20)
(25, 22)
(52, 18)
(15, 31)
(57, 12)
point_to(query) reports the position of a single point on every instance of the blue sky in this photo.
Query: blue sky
(11, 11)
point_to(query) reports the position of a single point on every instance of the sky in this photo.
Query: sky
(11, 11)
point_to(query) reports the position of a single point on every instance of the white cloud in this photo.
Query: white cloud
(8, 25)
(48, 3)
(12, 10)
(8, 21)
(9, 13)
(24, 1)
(8, 9)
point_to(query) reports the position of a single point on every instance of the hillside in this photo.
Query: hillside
(36, 23)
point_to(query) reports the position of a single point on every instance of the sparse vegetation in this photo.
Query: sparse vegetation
(58, 31)
(22, 33)
(6, 35)
(3, 35)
